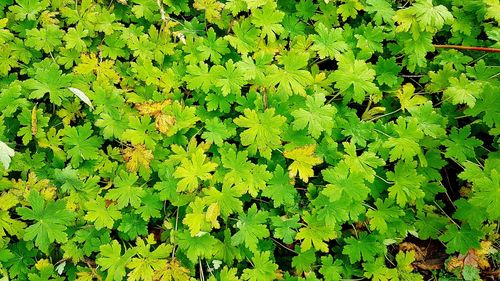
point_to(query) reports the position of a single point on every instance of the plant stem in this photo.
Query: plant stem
(468, 48)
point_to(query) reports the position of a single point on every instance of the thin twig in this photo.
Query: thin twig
(468, 48)
(285, 247)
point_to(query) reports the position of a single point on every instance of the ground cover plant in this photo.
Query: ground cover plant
(249, 140)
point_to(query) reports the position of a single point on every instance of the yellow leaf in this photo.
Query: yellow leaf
(47, 18)
(152, 108)
(164, 123)
(212, 8)
(103, 70)
(407, 97)
(34, 127)
(213, 213)
(303, 161)
(172, 271)
(137, 156)
(43, 263)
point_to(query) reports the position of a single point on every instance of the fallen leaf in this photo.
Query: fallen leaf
(82, 96)
(6, 153)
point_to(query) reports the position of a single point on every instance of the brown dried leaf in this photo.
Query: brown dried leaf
(420, 253)
(476, 258)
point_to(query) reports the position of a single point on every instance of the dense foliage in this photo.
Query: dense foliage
(249, 140)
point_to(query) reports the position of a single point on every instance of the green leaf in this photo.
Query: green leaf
(147, 261)
(459, 146)
(213, 48)
(251, 228)
(363, 164)
(365, 247)
(382, 9)
(49, 80)
(9, 225)
(229, 78)
(268, 19)
(279, 189)
(245, 37)
(217, 131)
(384, 214)
(28, 9)
(354, 78)
(292, 78)
(46, 38)
(486, 106)
(331, 270)
(263, 268)
(184, 116)
(198, 77)
(378, 271)
(196, 219)
(125, 191)
(315, 233)
(11, 101)
(81, 144)
(344, 184)
(100, 214)
(461, 240)
(407, 97)
(328, 42)
(141, 131)
(263, 130)
(463, 91)
(51, 221)
(73, 38)
(422, 16)
(112, 260)
(285, 228)
(407, 183)
(387, 71)
(227, 198)
(471, 273)
(303, 261)
(199, 246)
(486, 193)
(132, 226)
(193, 170)
(349, 9)
(318, 117)
(405, 146)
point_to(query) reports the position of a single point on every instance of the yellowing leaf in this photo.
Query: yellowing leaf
(172, 271)
(195, 219)
(103, 70)
(303, 161)
(407, 97)
(152, 108)
(213, 213)
(193, 170)
(137, 156)
(34, 126)
(212, 8)
(164, 123)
